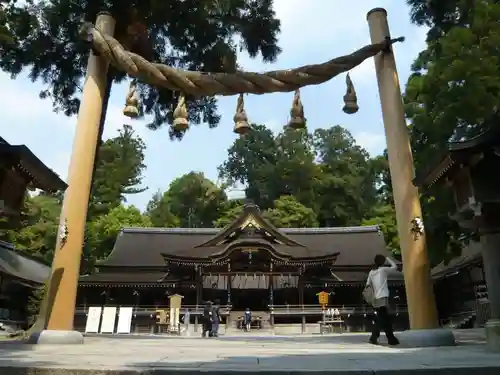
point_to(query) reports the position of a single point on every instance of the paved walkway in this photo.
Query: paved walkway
(332, 354)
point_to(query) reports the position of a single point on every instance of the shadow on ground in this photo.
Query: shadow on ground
(349, 357)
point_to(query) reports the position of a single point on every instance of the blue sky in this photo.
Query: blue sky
(312, 32)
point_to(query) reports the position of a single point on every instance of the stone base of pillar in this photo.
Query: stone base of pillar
(492, 328)
(56, 337)
(421, 338)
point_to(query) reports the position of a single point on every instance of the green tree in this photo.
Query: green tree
(199, 35)
(385, 217)
(159, 212)
(441, 15)
(104, 230)
(272, 166)
(454, 91)
(346, 189)
(232, 210)
(288, 212)
(5, 35)
(326, 171)
(452, 95)
(251, 161)
(34, 303)
(295, 172)
(195, 200)
(118, 173)
(38, 233)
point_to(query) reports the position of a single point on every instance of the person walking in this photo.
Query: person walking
(247, 319)
(186, 319)
(207, 320)
(377, 279)
(216, 318)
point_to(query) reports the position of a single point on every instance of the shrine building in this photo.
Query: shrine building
(20, 273)
(276, 272)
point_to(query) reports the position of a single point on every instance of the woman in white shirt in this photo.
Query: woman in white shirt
(377, 278)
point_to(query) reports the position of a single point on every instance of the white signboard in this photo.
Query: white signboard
(93, 319)
(108, 320)
(124, 319)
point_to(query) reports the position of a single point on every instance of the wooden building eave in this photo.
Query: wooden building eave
(223, 255)
(252, 216)
(456, 154)
(41, 176)
(121, 284)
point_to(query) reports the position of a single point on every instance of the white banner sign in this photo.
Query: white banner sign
(108, 320)
(93, 319)
(124, 320)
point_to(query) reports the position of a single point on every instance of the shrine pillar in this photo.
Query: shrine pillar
(421, 301)
(271, 295)
(489, 232)
(58, 309)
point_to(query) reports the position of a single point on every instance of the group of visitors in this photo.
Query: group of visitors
(211, 319)
(377, 294)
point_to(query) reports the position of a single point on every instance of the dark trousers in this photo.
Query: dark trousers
(207, 328)
(215, 328)
(382, 321)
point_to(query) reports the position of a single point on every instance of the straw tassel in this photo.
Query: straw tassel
(350, 98)
(132, 101)
(241, 125)
(181, 122)
(297, 119)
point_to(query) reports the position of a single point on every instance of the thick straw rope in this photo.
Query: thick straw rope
(209, 84)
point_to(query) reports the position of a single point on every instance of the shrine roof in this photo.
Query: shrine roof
(42, 176)
(457, 153)
(22, 267)
(471, 254)
(150, 247)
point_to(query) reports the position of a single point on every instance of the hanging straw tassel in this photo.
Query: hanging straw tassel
(350, 98)
(181, 114)
(132, 101)
(297, 120)
(241, 125)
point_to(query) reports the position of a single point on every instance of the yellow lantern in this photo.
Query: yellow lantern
(323, 298)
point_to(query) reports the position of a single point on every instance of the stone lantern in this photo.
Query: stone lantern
(468, 168)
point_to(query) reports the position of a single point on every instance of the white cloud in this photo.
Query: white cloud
(314, 22)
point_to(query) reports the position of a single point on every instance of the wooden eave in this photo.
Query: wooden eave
(457, 153)
(222, 257)
(41, 176)
(250, 215)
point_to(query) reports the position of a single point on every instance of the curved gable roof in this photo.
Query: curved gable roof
(143, 247)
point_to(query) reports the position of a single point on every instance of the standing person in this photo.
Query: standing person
(207, 320)
(186, 319)
(247, 319)
(377, 278)
(216, 318)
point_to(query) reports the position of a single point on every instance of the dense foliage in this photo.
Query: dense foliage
(121, 160)
(453, 94)
(202, 35)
